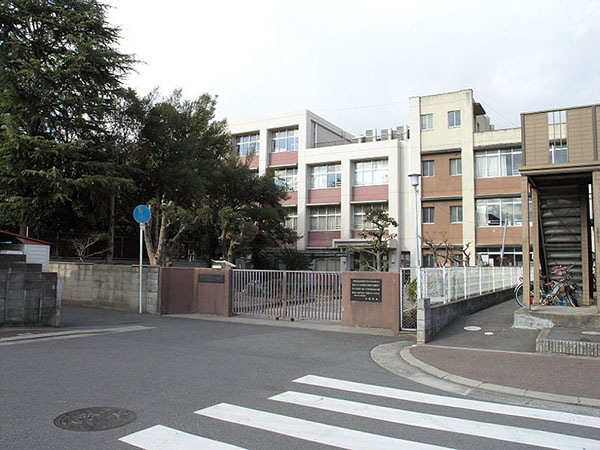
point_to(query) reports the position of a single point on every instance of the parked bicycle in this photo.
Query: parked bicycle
(558, 292)
(519, 290)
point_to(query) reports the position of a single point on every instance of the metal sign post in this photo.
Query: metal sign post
(141, 214)
(142, 228)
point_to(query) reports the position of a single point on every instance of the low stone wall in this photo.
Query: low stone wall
(431, 319)
(108, 286)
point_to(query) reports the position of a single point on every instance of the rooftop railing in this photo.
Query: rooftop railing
(332, 143)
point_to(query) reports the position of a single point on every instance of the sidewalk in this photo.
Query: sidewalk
(503, 359)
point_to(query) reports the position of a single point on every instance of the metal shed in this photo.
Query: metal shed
(35, 250)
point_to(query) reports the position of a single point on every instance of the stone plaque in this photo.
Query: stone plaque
(210, 278)
(365, 290)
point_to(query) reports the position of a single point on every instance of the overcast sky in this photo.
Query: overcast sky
(356, 63)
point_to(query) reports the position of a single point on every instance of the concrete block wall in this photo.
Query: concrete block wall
(431, 319)
(28, 296)
(108, 286)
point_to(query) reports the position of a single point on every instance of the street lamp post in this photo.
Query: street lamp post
(414, 181)
(505, 220)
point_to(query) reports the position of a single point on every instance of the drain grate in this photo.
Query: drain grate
(97, 418)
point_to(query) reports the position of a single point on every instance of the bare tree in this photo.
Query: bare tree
(83, 244)
(444, 253)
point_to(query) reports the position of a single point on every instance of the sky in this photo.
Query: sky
(356, 63)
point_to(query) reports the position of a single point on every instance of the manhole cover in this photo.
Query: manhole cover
(94, 419)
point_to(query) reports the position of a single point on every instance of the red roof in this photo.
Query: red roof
(25, 239)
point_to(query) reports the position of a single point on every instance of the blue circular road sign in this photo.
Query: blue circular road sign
(141, 214)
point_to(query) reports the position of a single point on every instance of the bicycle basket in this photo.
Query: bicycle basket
(559, 270)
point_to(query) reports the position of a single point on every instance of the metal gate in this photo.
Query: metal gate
(289, 294)
(408, 299)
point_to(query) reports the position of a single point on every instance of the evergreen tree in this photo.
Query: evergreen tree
(181, 147)
(251, 217)
(61, 75)
(125, 123)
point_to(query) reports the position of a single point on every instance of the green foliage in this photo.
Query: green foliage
(61, 72)
(182, 146)
(180, 149)
(78, 151)
(255, 203)
(60, 77)
(236, 232)
(377, 222)
(412, 290)
(293, 259)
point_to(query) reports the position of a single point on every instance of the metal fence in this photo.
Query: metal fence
(408, 299)
(318, 295)
(442, 285)
(290, 294)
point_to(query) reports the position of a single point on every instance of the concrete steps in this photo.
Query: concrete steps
(568, 341)
(564, 329)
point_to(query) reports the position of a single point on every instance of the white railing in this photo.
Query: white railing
(447, 284)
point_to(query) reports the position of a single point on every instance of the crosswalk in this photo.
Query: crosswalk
(160, 437)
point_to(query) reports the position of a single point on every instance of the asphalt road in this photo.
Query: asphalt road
(174, 367)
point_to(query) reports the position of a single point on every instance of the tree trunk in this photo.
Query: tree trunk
(223, 243)
(162, 240)
(148, 234)
(160, 249)
(149, 248)
(111, 230)
(152, 234)
(230, 251)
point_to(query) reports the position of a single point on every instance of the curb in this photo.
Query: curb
(407, 356)
(566, 347)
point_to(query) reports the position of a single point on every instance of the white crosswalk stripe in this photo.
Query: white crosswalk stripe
(454, 402)
(164, 438)
(309, 431)
(161, 437)
(442, 423)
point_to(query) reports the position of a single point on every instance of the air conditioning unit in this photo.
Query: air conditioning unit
(386, 134)
(402, 132)
(371, 135)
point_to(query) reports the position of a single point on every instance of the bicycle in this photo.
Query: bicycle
(518, 292)
(563, 290)
(559, 292)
